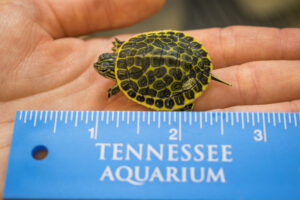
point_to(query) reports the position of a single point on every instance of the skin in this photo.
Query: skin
(44, 66)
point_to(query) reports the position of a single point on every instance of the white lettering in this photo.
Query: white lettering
(226, 152)
(211, 175)
(186, 152)
(211, 152)
(138, 154)
(156, 174)
(172, 151)
(107, 173)
(158, 155)
(102, 149)
(117, 150)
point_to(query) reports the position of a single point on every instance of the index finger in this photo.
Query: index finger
(239, 44)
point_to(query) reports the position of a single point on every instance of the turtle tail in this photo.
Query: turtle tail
(219, 80)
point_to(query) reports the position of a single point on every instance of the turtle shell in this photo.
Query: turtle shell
(163, 70)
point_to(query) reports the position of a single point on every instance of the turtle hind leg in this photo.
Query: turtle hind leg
(113, 90)
(188, 107)
(117, 44)
(219, 80)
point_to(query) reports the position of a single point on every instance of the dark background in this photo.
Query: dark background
(199, 14)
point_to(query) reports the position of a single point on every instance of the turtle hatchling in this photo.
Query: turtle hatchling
(162, 70)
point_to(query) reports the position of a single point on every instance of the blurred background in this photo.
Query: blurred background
(199, 14)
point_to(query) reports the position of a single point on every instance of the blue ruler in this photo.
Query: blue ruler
(154, 155)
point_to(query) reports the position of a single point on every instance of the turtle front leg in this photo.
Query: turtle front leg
(113, 90)
(188, 107)
(117, 44)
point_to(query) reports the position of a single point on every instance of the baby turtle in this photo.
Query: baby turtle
(162, 70)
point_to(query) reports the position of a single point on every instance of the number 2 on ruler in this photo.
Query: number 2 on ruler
(174, 134)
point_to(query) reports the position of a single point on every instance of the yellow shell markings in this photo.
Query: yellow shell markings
(158, 35)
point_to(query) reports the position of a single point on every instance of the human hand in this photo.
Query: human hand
(43, 67)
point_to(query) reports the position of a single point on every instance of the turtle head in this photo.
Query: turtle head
(105, 65)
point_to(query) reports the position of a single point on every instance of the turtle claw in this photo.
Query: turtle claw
(117, 44)
(113, 90)
(188, 107)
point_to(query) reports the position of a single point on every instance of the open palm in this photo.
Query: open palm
(43, 65)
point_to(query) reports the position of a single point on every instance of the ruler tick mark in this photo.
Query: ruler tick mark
(107, 117)
(66, 117)
(113, 116)
(264, 127)
(72, 115)
(164, 117)
(25, 117)
(158, 120)
(30, 116)
(153, 115)
(231, 116)
(200, 119)
(253, 121)
(295, 120)
(222, 125)
(174, 115)
(268, 114)
(61, 115)
(51, 114)
(92, 117)
(76, 118)
(210, 117)
(274, 119)
(96, 125)
(195, 116)
(226, 117)
(243, 123)
(237, 117)
(190, 116)
(170, 118)
(41, 115)
(123, 115)
(247, 117)
(279, 118)
(35, 118)
(20, 115)
(86, 117)
(284, 121)
(179, 126)
(133, 116)
(258, 118)
(290, 118)
(128, 117)
(148, 118)
(216, 116)
(81, 116)
(46, 116)
(118, 116)
(184, 116)
(205, 117)
(55, 122)
(102, 115)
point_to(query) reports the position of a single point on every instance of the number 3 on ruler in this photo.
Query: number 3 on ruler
(258, 135)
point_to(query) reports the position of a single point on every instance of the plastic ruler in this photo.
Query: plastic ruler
(154, 155)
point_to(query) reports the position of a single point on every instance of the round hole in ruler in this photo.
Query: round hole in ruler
(39, 152)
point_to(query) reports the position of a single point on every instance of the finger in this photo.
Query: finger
(239, 44)
(78, 17)
(288, 106)
(261, 82)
